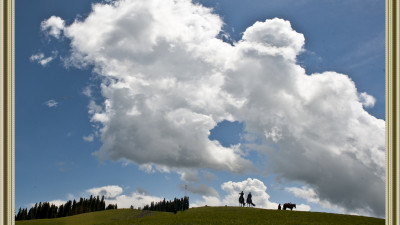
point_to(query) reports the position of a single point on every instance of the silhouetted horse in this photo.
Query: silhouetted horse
(289, 206)
(241, 199)
(249, 201)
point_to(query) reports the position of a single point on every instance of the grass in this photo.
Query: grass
(208, 215)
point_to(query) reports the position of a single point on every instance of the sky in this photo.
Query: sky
(144, 100)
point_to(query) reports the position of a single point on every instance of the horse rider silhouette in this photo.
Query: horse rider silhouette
(241, 199)
(249, 201)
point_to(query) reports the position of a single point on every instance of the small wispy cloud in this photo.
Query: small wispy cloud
(51, 103)
(42, 59)
(64, 166)
(366, 100)
(201, 189)
(209, 176)
(88, 138)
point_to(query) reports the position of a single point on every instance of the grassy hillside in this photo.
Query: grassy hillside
(208, 215)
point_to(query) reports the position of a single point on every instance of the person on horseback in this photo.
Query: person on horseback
(241, 199)
(249, 201)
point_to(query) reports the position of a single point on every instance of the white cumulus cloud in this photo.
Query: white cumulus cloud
(257, 188)
(53, 26)
(57, 202)
(135, 199)
(260, 197)
(367, 100)
(109, 192)
(114, 194)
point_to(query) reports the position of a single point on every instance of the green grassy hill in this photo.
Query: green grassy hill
(207, 215)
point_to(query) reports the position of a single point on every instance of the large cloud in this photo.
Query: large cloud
(161, 87)
(168, 80)
(257, 188)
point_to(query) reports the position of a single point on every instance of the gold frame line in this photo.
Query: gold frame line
(392, 116)
(7, 212)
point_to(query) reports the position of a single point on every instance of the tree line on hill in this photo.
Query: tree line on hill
(70, 208)
(49, 211)
(169, 206)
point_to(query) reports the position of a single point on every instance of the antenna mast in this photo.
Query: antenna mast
(185, 189)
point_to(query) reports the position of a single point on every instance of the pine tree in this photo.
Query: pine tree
(25, 214)
(73, 210)
(30, 214)
(103, 203)
(19, 215)
(53, 211)
(98, 204)
(91, 204)
(60, 212)
(68, 208)
(45, 210)
(39, 211)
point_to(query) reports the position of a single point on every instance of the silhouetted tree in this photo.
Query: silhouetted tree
(70, 208)
(111, 206)
(169, 206)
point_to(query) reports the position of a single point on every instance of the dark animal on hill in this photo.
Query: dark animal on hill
(241, 199)
(289, 206)
(249, 201)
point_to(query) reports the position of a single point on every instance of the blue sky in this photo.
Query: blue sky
(136, 107)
